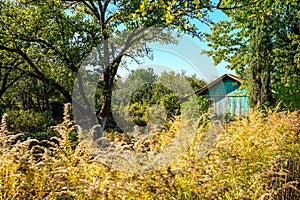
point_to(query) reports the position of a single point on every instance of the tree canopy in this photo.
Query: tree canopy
(261, 43)
(43, 45)
(146, 97)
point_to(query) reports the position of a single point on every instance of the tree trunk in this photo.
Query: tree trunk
(108, 78)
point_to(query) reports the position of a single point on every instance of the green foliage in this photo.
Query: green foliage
(255, 157)
(154, 94)
(195, 83)
(139, 113)
(29, 121)
(260, 67)
(42, 46)
(48, 41)
(261, 43)
(160, 112)
(191, 109)
(153, 98)
(149, 93)
(171, 103)
(42, 135)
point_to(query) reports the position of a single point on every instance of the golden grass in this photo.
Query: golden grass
(256, 157)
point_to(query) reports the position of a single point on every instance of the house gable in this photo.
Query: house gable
(225, 96)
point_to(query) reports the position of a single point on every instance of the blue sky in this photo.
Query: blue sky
(185, 56)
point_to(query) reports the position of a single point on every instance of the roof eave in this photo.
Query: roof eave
(218, 80)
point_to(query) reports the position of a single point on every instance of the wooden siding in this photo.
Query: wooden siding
(225, 97)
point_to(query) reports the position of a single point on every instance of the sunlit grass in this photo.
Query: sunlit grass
(255, 157)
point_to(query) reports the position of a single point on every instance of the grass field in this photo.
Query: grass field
(255, 157)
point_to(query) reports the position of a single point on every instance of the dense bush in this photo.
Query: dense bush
(255, 157)
(29, 121)
(147, 98)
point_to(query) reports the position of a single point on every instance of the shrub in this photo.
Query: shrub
(30, 121)
(139, 113)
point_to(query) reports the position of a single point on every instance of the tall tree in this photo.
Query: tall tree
(261, 42)
(136, 16)
(260, 66)
(48, 41)
(53, 37)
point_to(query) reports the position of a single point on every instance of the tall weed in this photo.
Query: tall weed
(255, 157)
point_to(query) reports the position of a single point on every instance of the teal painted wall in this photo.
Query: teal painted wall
(226, 97)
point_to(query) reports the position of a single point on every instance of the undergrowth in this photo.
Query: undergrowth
(255, 157)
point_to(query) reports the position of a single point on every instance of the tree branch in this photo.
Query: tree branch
(39, 74)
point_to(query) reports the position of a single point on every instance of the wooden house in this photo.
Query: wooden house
(225, 95)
